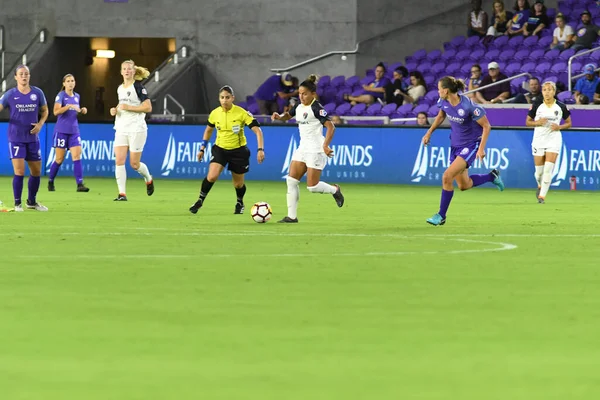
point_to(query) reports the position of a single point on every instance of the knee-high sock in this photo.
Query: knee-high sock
(240, 192)
(480, 179)
(445, 201)
(293, 195)
(546, 178)
(206, 186)
(33, 185)
(322, 187)
(143, 171)
(78, 171)
(121, 176)
(54, 171)
(18, 188)
(539, 171)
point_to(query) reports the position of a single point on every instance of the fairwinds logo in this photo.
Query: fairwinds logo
(288, 157)
(561, 168)
(420, 167)
(51, 158)
(170, 157)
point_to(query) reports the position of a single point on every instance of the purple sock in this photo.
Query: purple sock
(18, 188)
(33, 185)
(445, 201)
(53, 171)
(78, 171)
(480, 179)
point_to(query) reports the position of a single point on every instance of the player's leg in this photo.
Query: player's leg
(456, 168)
(17, 155)
(239, 164)
(315, 163)
(75, 149)
(539, 158)
(466, 181)
(121, 146)
(240, 191)
(137, 142)
(216, 166)
(34, 161)
(550, 160)
(296, 172)
(60, 145)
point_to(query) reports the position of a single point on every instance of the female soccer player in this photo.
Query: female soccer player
(66, 132)
(130, 126)
(311, 155)
(26, 103)
(547, 138)
(230, 147)
(469, 133)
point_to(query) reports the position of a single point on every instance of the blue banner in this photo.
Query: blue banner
(361, 154)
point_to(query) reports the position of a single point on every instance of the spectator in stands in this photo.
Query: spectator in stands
(586, 35)
(393, 89)
(538, 19)
(493, 94)
(498, 22)
(478, 20)
(534, 95)
(291, 95)
(267, 93)
(372, 91)
(516, 25)
(597, 94)
(474, 80)
(422, 119)
(562, 33)
(582, 99)
(337, 120)
(588, 83)
(417, 88)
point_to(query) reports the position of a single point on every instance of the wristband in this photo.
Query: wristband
(204, 144)
(260, 149)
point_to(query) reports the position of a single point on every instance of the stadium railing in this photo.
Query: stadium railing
(178, 104)
(27, 55)
(1, 50)
(317, 58)
(510, 78)
(173, 59)
(583, 53)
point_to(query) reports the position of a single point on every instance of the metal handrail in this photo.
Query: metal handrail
(317, 58)
(583, 74)
(178, 104)
(174, 56)
(1, 50)
(499, 82)
(41, 37)
(571, 60)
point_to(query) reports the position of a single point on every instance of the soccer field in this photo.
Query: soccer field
(143, 300)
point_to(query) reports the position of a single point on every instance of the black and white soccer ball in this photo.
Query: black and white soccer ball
(261, 212)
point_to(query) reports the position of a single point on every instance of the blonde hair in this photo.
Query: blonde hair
(551, 84)
(64, 79)
(141, 73)
(313, 78)
(502, 14)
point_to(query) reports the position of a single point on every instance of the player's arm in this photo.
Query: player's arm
(205, 138)
(328, 137)
(566, 116)
(485, 124)
(530, 121)
(286, 116)
(145, 107)
(43, 117)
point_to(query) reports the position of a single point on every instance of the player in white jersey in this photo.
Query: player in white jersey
(547, 138)
(311, 155)
(130, 126)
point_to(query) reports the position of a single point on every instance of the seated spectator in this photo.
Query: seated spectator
(266, 95)
(582, 99)
(291, 95)
(493, 94)
(393, 89)
(337, 120)
(597, 94)
(588, 83)
(498, 21)
(422, 119)
(538, 19)
(478, 20)
(372, 91)
(562, 33)
(474, 80)
(516, 25)
(534, 95)
(417, 88)
(586, 35)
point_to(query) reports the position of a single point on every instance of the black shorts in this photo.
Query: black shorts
(236, 160)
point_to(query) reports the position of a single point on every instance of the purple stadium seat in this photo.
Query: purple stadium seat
(528, 67)
(419, 55)
(424, 67)
(462, 55)
(513, 68)
(434, 55)
(576, 67)
(472, 41)
(515, 42)
(330, 108)
(338, 81)
(506, 55)
(242, 104)
(550, 78)
(432, 95)
(577, 10)
(559, 67)
(370, 72)
(388, 109)
(394, 66)
(433, 111)
(543, 68)
(421, 108)
(411, 66)
(491, 55)
(536, 55)
(565, 97)
(453, 68)
(456, 42)
(438, 68)
(595, 11)
(343, 109)
(516, 84)
(448, 55)
(500, 41)
(429, 79)
(373, 109)
(253, 108)
(544, 42)
(366, 80)
(358, 109)
(551, 13)
(476, 55)
(404, 109)
(566, 54)
(551, 55)
(352, 81)
(531, 41)
(595, 57)
(465, 70)
(339, 94)
(521, 55)
(325, 80)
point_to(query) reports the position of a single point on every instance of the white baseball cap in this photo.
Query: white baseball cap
(493, 65)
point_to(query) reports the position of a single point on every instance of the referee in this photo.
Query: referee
(230, 147)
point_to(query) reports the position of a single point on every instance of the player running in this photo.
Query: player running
(469, 133)
(66, 132)
(547, 138)
(311, 155)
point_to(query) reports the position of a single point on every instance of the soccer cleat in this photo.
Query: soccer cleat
(51, 187)
(150, 187)
(239, 208)
(196, 206)
(82, 188)
(497, 180)
(537, 192)
(436, 220)
(18, 207)
(35, 206)
(541, 200)
(288, 220)
(121, 197)
(338, 196)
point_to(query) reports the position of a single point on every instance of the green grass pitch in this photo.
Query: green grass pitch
(142, 300)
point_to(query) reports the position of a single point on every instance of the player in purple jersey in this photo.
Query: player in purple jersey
(28, 113)
(66, 132)
(469, 133)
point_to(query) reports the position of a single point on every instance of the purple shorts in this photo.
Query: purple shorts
(467, 153)
(30, 151)
(66, 141)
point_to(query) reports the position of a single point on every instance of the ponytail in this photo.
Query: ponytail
(311, 83)
(452, 84)
(141, 73)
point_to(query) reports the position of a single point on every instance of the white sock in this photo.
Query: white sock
(143, 171)
(546, 178)
(293, 195)
(121, 175)
(322, 187)
(539, 170)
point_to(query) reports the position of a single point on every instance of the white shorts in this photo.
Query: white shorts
(541, 147)
(312, 160)
(134, 140)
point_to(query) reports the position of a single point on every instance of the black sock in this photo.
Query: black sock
(206, 186)
(240, 192)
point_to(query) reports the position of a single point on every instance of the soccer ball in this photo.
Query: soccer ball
(261, 212)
